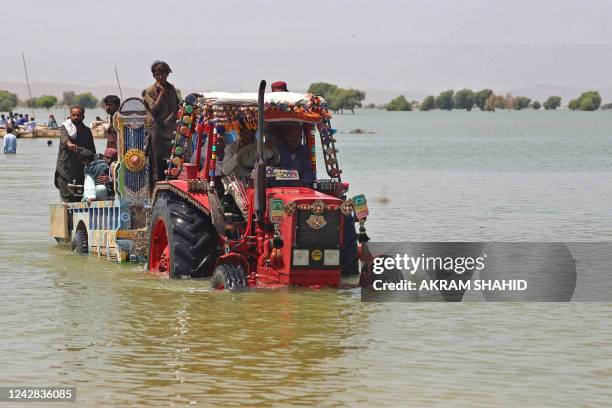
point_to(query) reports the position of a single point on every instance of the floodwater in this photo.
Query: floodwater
(124, 337)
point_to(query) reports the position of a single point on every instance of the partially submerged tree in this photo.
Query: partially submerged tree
(86, 100)
(46, 101)
(444, 100)
(8, 101)
(399, 104)
(338, 98)
(427, 104)
(481, 97)
(587, 101)
(552, 103)
(464, 99)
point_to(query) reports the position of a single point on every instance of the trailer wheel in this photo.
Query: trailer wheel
(230, 277)
(80, 243)
(349, 263)
(182, 241)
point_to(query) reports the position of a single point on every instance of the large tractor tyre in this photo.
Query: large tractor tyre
(80, 245)
(230, 277)
(182, 239)
(349, 263)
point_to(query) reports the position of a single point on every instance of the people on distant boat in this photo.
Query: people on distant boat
(96, 123)
(111, 105)
(30, 126)
(10, 141)
(94, 168)
(52, 123)
(163, 102)
(74, 135)
(294, 153)
(279, 86)
(21, 120)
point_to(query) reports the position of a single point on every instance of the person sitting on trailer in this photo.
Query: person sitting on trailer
(94, 168)
(294, 154)
(74, 135)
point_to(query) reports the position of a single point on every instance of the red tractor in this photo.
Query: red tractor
(269, 226)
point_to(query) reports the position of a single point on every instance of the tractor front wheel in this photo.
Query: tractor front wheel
(182, 241)
(230, 277)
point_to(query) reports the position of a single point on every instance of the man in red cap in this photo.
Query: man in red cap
(279, 86)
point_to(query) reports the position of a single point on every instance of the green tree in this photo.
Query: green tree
(464, 99)
(348, 99)
(552, 103)
(521, 102)
(86, 100)
(338, 98)
(536, 105)
(588, 101)
(8, 101)
(68, 98)
(46, 101)
(399, 104)
(428, 104)
(322, 88)
(480, 98)
(573, 104)
(445, 100)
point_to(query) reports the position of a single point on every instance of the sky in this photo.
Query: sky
(230, 42)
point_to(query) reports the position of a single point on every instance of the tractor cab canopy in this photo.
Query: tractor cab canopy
(279, 106)
(222, 116)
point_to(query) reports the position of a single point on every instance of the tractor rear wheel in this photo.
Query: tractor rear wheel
(230, 277)
(182, 240)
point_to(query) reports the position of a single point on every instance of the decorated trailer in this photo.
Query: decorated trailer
(115, 229)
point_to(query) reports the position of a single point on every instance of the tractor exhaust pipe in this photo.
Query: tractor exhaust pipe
(260, 165)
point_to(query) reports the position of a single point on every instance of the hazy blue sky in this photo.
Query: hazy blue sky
(189, 24)
(409, 46)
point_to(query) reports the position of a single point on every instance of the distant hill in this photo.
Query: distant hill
(382, 71)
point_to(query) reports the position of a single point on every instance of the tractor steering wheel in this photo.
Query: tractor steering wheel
(248, 155)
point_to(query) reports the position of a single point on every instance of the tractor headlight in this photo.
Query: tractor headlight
(331, 257)
(300, 257)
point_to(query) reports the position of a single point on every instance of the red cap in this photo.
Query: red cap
(279, 85)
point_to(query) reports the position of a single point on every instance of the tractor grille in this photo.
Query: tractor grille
(327, 237)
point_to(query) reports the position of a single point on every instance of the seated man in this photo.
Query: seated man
(294, 154)
(94, 168)
(238, 162)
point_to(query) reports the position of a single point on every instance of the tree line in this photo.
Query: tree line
(9, 101)
(487, 100)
